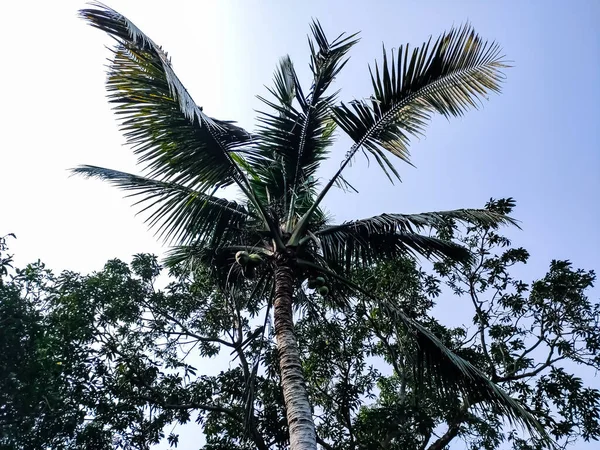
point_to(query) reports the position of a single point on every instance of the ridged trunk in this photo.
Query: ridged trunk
(299, 413)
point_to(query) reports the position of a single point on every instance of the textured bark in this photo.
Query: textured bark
(295, 394)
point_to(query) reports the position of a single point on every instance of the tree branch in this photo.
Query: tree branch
(445, 439)
(324, 444)
(185, 329)
(452, 431)
(475, 299)
(201, 406)
(533, 373)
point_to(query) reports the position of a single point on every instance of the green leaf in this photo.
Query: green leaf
(447, 77)
(449, 372)
(296, 134)
(388, 236)
(177, 212)
(173, 137)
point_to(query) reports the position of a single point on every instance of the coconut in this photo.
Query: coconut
(312, 283)
(254, 259)
(323, 290)
(242, 258)
(320, 281)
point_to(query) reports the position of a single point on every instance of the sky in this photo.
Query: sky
(538, 141)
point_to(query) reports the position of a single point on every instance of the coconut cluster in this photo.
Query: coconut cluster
(319, 285)
(249, 262)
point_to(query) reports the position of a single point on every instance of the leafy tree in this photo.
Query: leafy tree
(528, 338)
(94, 362)
(280, 233)
(45, 387)
(134, 359)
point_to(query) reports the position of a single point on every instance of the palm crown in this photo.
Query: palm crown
(188, 157)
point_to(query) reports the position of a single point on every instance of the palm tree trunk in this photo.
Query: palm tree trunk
(299, 413)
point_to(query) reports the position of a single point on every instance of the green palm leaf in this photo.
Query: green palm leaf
(296, 135)
(345, 249)
(448, 77)
(386, 236)
(220, 261)
(178, 212)
(172, 136)
(413, 223)
(326, 61)
(452, 374)
(278, 133)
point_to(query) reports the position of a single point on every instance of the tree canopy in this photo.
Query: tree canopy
(277, 229)
(108, 360)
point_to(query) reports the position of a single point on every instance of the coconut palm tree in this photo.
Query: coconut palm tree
(278, 234)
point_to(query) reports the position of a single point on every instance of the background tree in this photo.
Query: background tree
(45, 388)
(98, 361)
(135, 360)
(280, 233)
(530, 338)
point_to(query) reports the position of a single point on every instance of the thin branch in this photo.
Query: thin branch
(452, 431)
(386, 344)
(477, 305)
(529, 350)
(426, 441)
(445, 439)
(324, 444)
(201, 406)
(533, 373)
(186, 330)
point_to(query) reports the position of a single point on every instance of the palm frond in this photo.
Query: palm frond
(177, 212)
(317, 125)
(189, 257)
(278, 130)
(415, 223)
(328, 58)
(172, 136)
(220, 261)
(296, 134)
(363, 242)
(449, 76)
(346, 249)
(452, 374)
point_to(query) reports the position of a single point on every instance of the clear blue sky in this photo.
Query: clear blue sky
(538, 141)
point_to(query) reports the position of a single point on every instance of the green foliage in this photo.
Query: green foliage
(279, 222)
(448, 77)
(110, 361)
(46, 389)
(529, 337)
(99, 361)
(188, 156)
